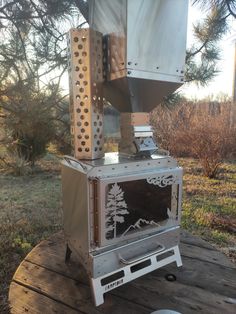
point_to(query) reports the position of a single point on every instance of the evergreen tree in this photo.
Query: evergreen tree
(229, 6)
(202, 57)
(116, 208)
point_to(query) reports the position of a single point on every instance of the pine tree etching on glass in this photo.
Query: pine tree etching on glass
(116, 208)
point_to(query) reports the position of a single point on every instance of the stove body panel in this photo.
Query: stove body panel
(86, 186)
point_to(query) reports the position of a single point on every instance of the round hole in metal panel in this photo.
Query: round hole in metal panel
(79, 123)
(95, 123)
(85, 83)
(76, 54)
(82, 117)
(87, 149)
(98, 130)
(81, 90)
(84, 53)
(84, 69)
(77, 83)
(80, 61)
(86, 137)
(81, 75)
(76, 68)
(80, 46)
(76, 39)
(85, 97)
(82, 130)
(81, 103)
(77, 97)
(86, 123)
(86, 110)
(80, 149)
(83, 38)
(78, 110)
(83, 143)
(79, 136)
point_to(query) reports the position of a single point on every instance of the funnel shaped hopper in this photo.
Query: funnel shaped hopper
(145, 43)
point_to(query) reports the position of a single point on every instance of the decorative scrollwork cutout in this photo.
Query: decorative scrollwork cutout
(162, 180)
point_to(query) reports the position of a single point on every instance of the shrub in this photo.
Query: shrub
(197, 130)
(28, 122)
(14, 162)
(62, 137)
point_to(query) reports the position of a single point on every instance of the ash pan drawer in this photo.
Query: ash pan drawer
(112, 260)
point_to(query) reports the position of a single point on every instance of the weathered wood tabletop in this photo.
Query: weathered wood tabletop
(206, 283)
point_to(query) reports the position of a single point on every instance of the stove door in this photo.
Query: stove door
(141, 204)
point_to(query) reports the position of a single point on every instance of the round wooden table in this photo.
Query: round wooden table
(206, 283)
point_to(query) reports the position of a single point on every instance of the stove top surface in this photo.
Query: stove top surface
(116, 158)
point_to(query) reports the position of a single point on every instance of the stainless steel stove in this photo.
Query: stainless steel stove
(122, 210)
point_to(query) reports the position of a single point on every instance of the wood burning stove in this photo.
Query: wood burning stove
(122, 210)
(119, 212)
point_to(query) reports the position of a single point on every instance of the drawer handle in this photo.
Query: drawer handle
(139, 258)
(69, 159)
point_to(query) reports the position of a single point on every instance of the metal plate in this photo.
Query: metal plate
(157, 29)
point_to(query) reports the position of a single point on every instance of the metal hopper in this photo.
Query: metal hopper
(145, 44)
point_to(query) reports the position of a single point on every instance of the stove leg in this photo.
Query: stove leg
(68, 254)
(178, 257)
(97, 291)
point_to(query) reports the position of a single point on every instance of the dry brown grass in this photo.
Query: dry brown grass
(197, 130)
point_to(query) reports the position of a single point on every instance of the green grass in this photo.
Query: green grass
(209, 205)
(30, 210)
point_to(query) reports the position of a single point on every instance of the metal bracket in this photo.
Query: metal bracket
(69, 159)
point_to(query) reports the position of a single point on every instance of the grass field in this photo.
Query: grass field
(209, 205)
(30, 210)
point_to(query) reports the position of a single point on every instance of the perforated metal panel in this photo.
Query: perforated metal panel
(86, 101)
